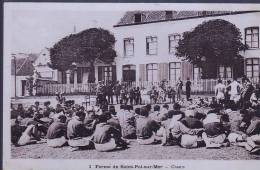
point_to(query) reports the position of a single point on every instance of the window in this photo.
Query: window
(252, 37)
(129, 73)
(151, 45)
(152, 72)
(168, 14)
(107, 73)
(138, 18)
(82, 74)
(196, 73)
(173, 42)
(129, 47)
(225, 72)
(175, 71)
(252, 67)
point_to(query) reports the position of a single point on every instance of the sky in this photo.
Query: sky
(33, 30)
(30, 27)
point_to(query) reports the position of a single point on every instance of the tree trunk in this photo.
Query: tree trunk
(91, 76)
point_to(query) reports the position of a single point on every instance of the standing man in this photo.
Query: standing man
(188, 88)
(179, 89)
(100, 93)
(117, 89)
(109, 89)
(247, 92)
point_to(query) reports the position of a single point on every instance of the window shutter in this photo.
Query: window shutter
(160, 72)
(186, 70)
(114, 73)
(142, 68)
(100, 71)
(163, 71)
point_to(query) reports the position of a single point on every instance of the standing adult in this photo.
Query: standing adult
(109, 90)
(117, 89)
(99, 93)
(227, 95)
(220, 91)
(179, 89)
(138, 99)
(188, 88)
(246, 92)
(132, 95)
(235, 89)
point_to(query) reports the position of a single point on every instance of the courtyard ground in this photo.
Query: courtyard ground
(135, 151)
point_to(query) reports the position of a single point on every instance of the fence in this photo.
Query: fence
(197, 86)
(203, 86)
(51, 89)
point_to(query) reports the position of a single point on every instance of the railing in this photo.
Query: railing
(197, 86)
(202, 86)
(52, 89)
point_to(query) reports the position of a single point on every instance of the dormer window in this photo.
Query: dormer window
(168, 14)
(204, 13)
(138, 17)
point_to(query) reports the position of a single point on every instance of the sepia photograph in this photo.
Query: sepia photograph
(131, 83)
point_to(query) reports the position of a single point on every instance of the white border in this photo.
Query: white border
(65, 164)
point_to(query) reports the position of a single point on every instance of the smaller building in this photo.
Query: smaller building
(42, 67)
(24, 68)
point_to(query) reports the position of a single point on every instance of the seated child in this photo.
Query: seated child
(113, 121)
(16, 131)
(253, 135)
(56, 134)
(106, 137)
(145, 128)
(30, 136)
(178, 134)
(127, 122)
(214, 135)
(79, 136)
(156, 113)
(193, 121)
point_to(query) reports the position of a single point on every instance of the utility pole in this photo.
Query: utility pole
(14, 57)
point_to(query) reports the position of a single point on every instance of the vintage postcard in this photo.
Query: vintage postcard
(131, 86)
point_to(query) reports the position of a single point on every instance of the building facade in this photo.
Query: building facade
(146, 41)
(21, 69)
(42, 67)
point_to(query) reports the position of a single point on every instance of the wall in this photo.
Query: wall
(18, 85)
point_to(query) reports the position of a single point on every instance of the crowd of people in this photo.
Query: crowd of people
(232, 117)
(125, 94)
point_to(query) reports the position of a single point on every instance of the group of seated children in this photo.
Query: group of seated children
(106, 129)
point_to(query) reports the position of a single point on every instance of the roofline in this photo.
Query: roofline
(214, 15)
